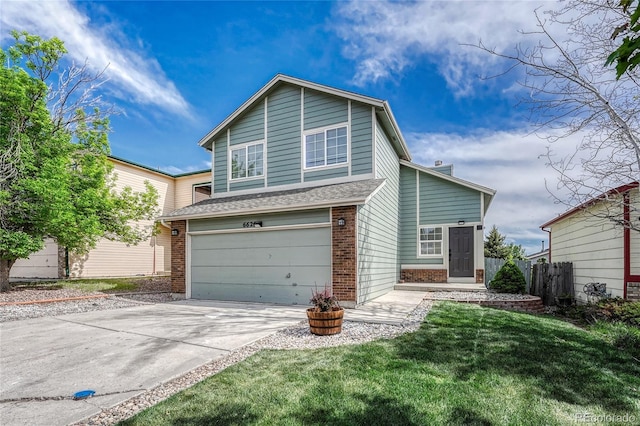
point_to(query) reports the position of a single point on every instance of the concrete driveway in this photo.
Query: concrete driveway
(118, 353)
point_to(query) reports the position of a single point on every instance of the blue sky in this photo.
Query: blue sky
(177, 69)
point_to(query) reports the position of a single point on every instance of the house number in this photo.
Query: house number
(252, 224)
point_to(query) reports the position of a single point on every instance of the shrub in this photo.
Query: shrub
(620, 310)
(509, 279)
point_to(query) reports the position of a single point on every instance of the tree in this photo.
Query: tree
(515, 252)
(627, 55)
(571, 94)
(55, 177)
(494, 245)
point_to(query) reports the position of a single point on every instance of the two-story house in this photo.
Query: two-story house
(314, 186)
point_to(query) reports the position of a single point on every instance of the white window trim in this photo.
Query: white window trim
(245, 146)
(325, 129)
(445, 233)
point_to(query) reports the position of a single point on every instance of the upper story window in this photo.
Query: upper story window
(325, 147)
(431, 241)
(247, 161)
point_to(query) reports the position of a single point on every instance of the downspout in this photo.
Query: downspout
(549, 232)
(626, 241)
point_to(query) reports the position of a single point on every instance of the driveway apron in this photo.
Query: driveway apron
(118, 353)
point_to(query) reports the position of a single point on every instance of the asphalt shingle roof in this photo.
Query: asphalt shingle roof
(350, 192)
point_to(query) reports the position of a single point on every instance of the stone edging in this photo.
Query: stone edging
(532, 305)
(65, 299)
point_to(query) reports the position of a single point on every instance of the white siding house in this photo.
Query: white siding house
(600, 250)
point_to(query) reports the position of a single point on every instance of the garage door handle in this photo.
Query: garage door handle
(288, 275)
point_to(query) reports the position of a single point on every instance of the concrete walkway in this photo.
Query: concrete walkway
(122, 352)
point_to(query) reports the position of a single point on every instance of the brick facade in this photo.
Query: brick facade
(344, 246)
(178, 259)
(424, 275)
(479, 276)
(633, 291)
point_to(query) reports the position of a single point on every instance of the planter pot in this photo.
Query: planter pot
(325, 323)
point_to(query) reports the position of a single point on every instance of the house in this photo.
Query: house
(600, 250)
(116, 259)
(314, 186)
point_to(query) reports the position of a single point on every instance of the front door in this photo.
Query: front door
(461, 252)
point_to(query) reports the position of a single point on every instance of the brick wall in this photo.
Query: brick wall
(178, 253)
(633, 291)
(480, 276)
(424, 275)
(344, 246)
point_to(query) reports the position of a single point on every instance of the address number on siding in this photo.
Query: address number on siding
(252, 224)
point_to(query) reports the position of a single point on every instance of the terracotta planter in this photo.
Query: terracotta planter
(325, 323)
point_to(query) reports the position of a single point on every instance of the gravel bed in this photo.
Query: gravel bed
(30, 295)
(294, 337)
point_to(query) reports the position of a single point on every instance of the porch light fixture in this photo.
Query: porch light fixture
(175, 232)
(461, 222)
(342, 222)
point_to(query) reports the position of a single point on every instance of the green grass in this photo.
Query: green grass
(466, 365)
(89, 285)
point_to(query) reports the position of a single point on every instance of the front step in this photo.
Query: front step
(441, 287)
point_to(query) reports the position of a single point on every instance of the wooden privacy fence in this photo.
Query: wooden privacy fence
(492, 266)
(551, 281)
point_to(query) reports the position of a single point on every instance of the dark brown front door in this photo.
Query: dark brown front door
(461, 252)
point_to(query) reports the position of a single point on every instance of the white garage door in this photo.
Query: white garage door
(271, 266)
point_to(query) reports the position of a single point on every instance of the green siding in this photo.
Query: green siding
(361, 139)
(378, 268)
(246, 184)
(441, 202)
(284, 144)
(322, 110)
(326, 174)
(249, 127)
(261, 266)
(447, 202)
(268, 220)
(447, 170)
(220, 166)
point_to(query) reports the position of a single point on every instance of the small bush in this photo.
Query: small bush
(509, 279)
(620, 310)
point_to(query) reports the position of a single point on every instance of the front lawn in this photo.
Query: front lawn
(466, 365)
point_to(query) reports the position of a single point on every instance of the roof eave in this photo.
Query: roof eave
(618, 190)
(453, 179)
(240, 212)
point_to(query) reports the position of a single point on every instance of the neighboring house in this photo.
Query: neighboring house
(314, 186)
(600, 250)
(111, 258)
(535, 257)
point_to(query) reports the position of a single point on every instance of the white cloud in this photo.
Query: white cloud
(508, 162)
(203, 165)
(130, 70)
(385, 37)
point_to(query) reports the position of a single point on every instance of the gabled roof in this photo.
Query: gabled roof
(357, 192)
(430, 171)
(615, 191)
(383, 111)
(158, 171)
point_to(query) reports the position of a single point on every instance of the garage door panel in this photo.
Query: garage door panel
(303, 255)
(254, 293)
(261, 266)
(241, 240)
(300, 275)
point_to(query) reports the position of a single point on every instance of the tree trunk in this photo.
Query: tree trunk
(5, 268)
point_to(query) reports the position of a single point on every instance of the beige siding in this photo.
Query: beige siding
(635, 235)
(42, 264)
(184, 188)
(111, 258)
(594, 246)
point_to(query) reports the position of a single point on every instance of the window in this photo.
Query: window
(247, 161)
(326, 148)
(201, 192)
(431, 241)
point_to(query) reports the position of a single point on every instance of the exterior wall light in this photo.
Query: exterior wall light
(175, 232)
(342, 222)
(461, 222)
